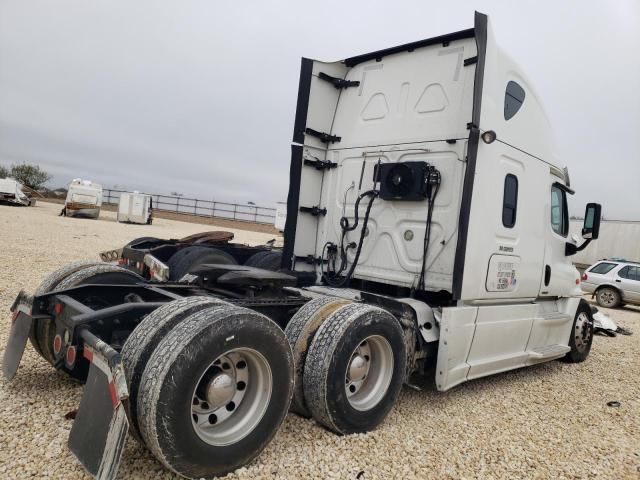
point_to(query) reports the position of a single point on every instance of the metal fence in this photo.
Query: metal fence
(201, 208)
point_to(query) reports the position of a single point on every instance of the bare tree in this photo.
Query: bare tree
(30, 175)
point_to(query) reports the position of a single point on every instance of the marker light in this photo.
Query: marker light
(489, 136)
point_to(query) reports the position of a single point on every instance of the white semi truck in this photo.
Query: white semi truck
(426, 234)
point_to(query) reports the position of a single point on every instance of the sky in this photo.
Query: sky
(198, 97)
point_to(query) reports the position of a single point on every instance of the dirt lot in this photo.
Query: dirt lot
(549, 421)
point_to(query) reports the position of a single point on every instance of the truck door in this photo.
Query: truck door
(558, 273)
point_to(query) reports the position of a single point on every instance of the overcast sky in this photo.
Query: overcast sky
(199, 96)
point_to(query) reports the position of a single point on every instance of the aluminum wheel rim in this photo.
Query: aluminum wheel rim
(369, 373)
(231, 396)
(606, 297)
(582, 332)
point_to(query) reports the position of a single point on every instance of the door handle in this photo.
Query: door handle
(547, 275)
(618, 280)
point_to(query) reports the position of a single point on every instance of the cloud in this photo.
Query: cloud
(199, 97)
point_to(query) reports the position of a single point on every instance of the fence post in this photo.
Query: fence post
(255, 214)
(195, 207)
(177, 204)
(235, 209)
(213, 210)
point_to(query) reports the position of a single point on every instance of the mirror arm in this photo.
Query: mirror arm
(571, 249)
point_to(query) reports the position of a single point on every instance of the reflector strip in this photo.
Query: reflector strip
(88, 354)
(115, 401)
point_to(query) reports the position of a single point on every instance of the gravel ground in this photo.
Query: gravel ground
(548, 421)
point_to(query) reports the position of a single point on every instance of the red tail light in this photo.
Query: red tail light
(584, 277)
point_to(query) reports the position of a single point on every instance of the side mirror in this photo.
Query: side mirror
(591, 227)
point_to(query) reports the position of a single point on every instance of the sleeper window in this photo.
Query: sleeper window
(513, 99)
(510, 201)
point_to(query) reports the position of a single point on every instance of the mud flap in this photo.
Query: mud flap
(20, 326)
(99, 432)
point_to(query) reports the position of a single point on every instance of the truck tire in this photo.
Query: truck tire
(300, 332)
(272, 261)
(354, 369)
(48, 284)
(209, 400)
(140, 240)
(581, 334)
(100, 274)
(608, 297)
(145, 338)
(253, 260)
(187, 259)
(45, 330)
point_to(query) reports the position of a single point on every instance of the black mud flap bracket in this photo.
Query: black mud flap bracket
(99, 432)
(21, 321)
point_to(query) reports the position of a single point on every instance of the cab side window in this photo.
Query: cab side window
(559, 211)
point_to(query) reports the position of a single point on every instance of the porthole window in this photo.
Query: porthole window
(513, 99)
(510, 201)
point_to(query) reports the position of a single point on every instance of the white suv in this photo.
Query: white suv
(613, 282)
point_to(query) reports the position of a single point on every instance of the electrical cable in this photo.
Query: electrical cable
(434, 180)
(344, 224)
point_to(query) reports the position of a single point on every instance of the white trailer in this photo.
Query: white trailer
(84, 199)
(135, 207)
(12, 194)
(427, 234)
